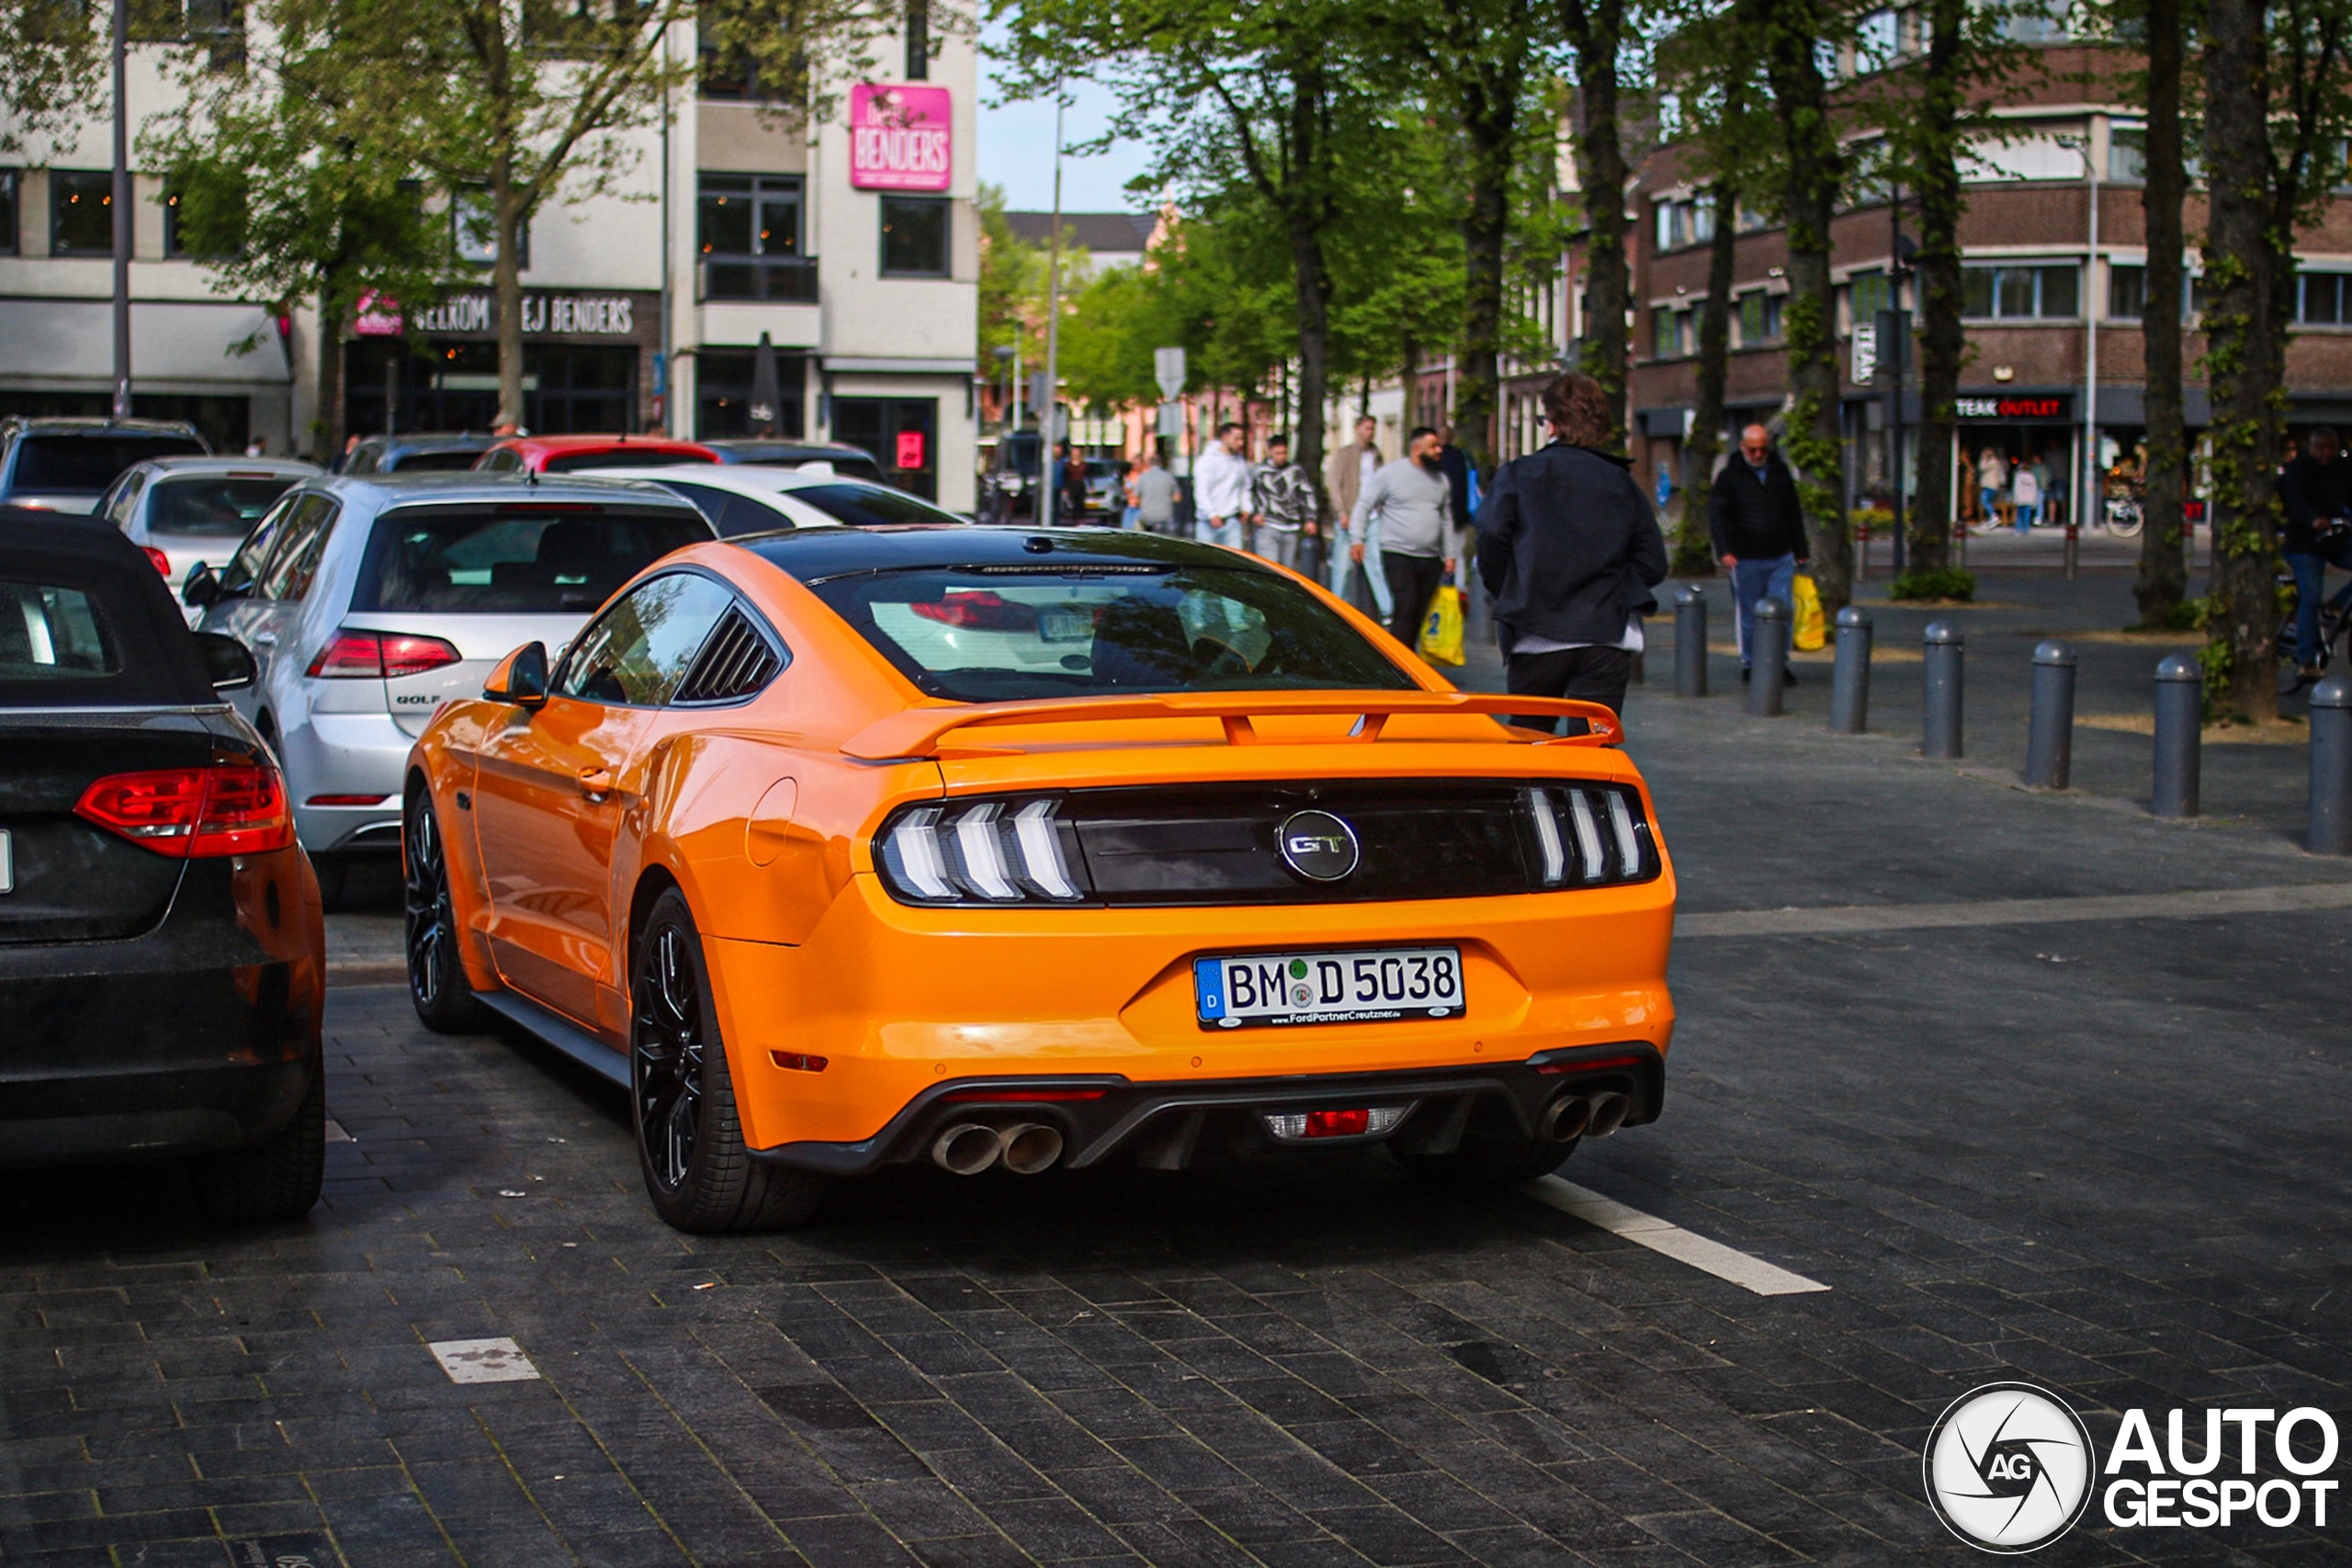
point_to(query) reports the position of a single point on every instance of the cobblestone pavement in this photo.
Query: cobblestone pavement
(2104, 1155)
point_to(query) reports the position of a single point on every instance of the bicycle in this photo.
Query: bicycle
(2335, 625)
(2124, 516)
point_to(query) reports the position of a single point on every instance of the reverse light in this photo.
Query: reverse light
(193, 813)
(1587, 835)
(1368, 1122)
(980, 852)
(353, 656)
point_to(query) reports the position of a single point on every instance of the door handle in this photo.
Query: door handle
(266, 639)
(595, 783)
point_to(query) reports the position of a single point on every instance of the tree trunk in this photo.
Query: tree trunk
(2164, 570)
(1813, 167)
(1601, 171)
(1942, 344)
(327, 420)
(1694, 552)
(1311, 286)
(506, 282)
(1491, 128)
(2242, 363)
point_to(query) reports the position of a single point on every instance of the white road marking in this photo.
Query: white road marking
(483, 1360)
(1865, 919)
(1684, 1246)
(335, 1134)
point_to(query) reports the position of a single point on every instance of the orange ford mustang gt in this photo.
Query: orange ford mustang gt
(847, 847)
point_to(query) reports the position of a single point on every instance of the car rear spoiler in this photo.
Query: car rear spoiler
(917, 731)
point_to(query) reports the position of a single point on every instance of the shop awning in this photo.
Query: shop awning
(73, 340)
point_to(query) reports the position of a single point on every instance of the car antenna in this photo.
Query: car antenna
(531, 478)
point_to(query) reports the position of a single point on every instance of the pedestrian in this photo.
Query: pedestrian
(2025, 495)
(1286, 503)
(1570, 547)
(2317, 490)
(1345, 475)
(257, 447)
(1758, 526)
(1223, 508)
(1404, 519)
(1455, 463)
(1157, 493)
(1130, 509)
(1992, 480)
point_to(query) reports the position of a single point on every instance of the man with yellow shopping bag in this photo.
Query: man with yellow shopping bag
(1569, 546)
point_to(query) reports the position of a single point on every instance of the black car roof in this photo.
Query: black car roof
(813, 555)
(160, 664)
(70, 424)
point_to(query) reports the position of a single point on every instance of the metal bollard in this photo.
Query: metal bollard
(1939, 732)
(1691, 641)
(2331, 824)
(2180, 712)
(1849, 680)
(1771, 660)
(2050, 732)
(2073, 548)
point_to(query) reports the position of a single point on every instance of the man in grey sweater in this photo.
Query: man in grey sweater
(1410, 503)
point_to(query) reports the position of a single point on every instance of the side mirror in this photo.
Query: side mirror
(200, 587)
(521, 677)
(228, 663)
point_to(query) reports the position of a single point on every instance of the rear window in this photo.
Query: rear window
(90, 463)
(863, 505)
(427, 462)
(620, 457)
(997, 634)
(213, 506)
(518, 558)
(53, 633)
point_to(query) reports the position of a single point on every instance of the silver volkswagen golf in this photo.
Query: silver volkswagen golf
(369, 601)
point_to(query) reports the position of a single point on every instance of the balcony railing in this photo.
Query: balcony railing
(791, 280)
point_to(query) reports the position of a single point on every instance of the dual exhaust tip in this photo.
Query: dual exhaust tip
(1574, 1116)
(969, 1148)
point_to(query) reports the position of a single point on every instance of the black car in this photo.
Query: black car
(163, 957)
(68, 465)
(849, 462)
(415, 453)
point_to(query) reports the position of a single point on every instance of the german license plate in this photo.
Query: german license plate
(1273, 990)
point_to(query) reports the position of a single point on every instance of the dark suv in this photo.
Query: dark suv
(67, 465)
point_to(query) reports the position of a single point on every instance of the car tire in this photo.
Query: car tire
(276, 1180)
(436, 977)
(1487, 1157)
(681, 1095)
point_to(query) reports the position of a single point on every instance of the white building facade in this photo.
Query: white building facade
(850, 243)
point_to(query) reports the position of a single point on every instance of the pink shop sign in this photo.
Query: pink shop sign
(900, 137)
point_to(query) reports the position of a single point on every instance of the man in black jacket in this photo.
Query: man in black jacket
(1570, 548)
(2317, 489)
(1758, 526)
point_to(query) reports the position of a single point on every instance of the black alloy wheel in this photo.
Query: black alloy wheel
(681, 1095)
(437, 981)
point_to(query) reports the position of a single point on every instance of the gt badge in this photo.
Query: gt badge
(1318, 846)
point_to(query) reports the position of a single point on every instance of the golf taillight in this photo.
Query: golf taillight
(159, 560)
(350, 654)
(190, 813)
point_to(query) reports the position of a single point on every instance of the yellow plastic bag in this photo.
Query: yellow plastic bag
(1441, 627)
(1810, 628)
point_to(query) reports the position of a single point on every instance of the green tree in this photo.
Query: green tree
(52, 68)
(1013, 291)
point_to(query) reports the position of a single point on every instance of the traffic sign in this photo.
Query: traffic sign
(1167, 368)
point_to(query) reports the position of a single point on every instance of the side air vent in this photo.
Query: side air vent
(735, 663)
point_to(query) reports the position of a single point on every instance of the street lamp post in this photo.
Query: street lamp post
(1049, 416)
(121, 201)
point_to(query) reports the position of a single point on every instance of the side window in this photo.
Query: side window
(639, 650)
(124, 504)
(295, 560)
(246, 566)
(505, 460)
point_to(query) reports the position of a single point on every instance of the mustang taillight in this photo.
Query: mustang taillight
(191, 813)
(350, 654)
(1589, 834)
(981, 852)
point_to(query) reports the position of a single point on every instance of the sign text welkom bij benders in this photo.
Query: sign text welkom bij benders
(901, 136)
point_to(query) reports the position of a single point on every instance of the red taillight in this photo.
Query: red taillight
(980, 610)
(350, 654)
(185, 813)
(347, 800)
(161, 562)
(1338, 1123)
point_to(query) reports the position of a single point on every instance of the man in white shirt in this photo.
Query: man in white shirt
(1224, 500)
(1404, 519)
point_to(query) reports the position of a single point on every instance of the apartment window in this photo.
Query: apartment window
(914, 236)
(1759, 317)
(2127, 293)
(8, 240)
(473, 228)
(1672, 334)
(81, 212)
(1870, 293)
(2127, 152)
(1688, 221)
(2021, 293)
(1867, 184)
(2320, 299)
(918, 41)
(748, 227)
(1878, 41)
(2035, 21)
(184, 231)
(1747, 219)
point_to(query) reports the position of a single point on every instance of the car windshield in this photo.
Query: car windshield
(518, 558)
(213, 506)
(50, 633)
(71, 463)
(862, 505)
(998, 635)
(428, 462)
(618, 458)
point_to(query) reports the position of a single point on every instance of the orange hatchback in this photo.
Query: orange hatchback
(1008, 849)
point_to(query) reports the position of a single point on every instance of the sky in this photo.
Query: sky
(1017, 150)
